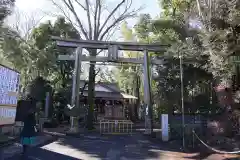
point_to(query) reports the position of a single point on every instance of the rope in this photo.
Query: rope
(213, 149)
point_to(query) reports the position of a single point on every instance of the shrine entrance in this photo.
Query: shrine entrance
(113, 57)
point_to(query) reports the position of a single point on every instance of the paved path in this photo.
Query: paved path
(134, 147)
(16, 148)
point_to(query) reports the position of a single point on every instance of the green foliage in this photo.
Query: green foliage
(205, 48)
(142, 27)
(37, 56)
(200, 66)
(5, 8)
(127, 74)
(38, 88)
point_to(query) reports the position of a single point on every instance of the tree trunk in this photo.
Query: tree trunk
(91, 92)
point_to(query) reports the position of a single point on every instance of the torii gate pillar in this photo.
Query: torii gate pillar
(75, 87)
(147, 95)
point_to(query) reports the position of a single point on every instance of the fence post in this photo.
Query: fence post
(193, 138)
(131, 128)
(100, 127)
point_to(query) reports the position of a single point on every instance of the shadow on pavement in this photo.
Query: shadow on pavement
(42, 154)
(128, 147)
(92, 146)
(117, 147)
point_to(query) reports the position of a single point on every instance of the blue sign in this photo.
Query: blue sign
(9, 85)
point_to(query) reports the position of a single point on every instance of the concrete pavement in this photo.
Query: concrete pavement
(16, 148)
(97, 147)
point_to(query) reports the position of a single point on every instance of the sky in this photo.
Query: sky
(42, 6)
(31, 5)
(39, 8)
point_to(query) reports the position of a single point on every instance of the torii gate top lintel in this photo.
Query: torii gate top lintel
(131, 46)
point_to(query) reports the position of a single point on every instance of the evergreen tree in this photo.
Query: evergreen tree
(5, 8)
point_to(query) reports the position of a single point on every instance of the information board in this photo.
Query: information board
(9, 85)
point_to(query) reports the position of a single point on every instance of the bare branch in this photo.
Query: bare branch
(117, 21)
(95, 20)
(8, 33)
(98, 15)
(97, 30)
(24, 23)
(110, 15)
(110, 33)
(89, 19)
(33, 24)
(70, 6)
(80, 5)
(97, 71)
(66, 15)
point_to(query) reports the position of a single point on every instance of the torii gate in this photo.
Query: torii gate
(113, 48)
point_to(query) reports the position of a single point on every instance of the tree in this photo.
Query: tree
(221, 33)
(174, 28)
(17, 47)
(213, 33)
(129, 75)
(38, 88)
(60, 72)
(36, 55)
(106, 75)
(5, 9)
(38, 50)
(101, 23)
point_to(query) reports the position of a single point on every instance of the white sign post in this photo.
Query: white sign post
(165, 134)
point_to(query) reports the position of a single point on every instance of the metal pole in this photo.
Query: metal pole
(76, 81)
(182, 101)
(147, 95)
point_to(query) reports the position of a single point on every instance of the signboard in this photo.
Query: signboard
(165, 134)
(9, 85)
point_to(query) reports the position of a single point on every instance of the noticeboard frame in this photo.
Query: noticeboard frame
(9, 68)
(5, 105)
